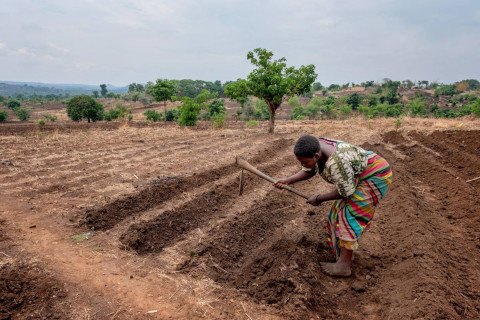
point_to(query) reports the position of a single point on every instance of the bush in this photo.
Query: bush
(252, 124)
(84, 107)
(171, 114)
(417, 107)
(13, 104)
(50, 117)
(41, 123)
(219, 120)
(313, 107)
(446, 89)
(23, 114)
(261, 110)
(3, 116)
(119, 112)
(189, 113)
(346, 109)
(152, 115)
(216, 107)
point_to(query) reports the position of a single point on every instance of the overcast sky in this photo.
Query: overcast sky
(122, 41)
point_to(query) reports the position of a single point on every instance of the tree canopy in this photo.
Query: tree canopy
(272, 81)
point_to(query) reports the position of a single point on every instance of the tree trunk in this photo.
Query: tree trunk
(271, 127)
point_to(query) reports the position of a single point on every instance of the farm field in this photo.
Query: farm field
(136, 221)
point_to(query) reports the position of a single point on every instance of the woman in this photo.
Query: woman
(361, 179)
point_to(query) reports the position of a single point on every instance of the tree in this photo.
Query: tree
(272, 80)
(354, 101)
(3, 115)
(95, 94)
(238, 91)
(103, 90)
(162, 90)
(317, 86)
(135, 87)
(13, 104)
(84, 107)
(22, 113)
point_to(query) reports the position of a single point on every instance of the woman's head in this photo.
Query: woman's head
(307, 150)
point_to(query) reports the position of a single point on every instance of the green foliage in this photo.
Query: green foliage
(472, 84)
(252, 124)
(162, 90)
(261, 110)
(334, 87)
(189, 112)
(317, 86)
(381, 110)
(346, 109)
(238, 91)
(152, 115)
(219, 120)
(119, 112)
(446, 89)
(41, 123)
(2, 99)
(84, 107)
(354, 100)
(216, 107)
(95, 94)
(23, 114)
(313, 107)
(417, 107)
(50, 117)
(135, 87)
(398, 123)
(13, 104)
(272, 79)
(103, 90)
(3, 115)
(171, 114)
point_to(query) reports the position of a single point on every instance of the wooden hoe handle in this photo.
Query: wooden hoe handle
(242, 163)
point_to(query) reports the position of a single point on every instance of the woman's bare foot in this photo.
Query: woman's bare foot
(343, 266)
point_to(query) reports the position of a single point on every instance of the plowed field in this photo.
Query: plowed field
(137, 222)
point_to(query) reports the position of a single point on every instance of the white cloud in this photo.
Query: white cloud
(3, 45)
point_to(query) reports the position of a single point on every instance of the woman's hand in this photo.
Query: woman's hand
(280, 183)
(314, 200)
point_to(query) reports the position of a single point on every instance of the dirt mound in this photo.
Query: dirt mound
(28, 292)
(163, 189)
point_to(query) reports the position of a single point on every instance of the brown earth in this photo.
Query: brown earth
(134, 222)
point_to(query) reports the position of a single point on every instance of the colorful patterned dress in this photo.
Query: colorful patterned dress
(362, 178)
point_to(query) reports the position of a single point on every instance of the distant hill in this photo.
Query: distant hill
(13, 88)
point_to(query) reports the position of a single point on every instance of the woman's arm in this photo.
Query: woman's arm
(316, 200)
(299, 176)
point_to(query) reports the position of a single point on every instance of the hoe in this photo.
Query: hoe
(242, 163)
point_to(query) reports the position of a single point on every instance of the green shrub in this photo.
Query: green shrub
(252, 123)
(152, 115)
(261, 110)
(346, 109)
(216, 107)
(313, 107)
(219, 120)
(13, 104)
(417, 107)
(3, 115)
(171, 114)
(23, 114)
(189, 112)
(446, 89)
(50, 117)
(41, 122)
(298, 112)
(84, 107)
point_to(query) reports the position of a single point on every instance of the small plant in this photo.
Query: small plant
(41, 123)
(152, 115)
(252, 124)
(219, 120)
(23, 114)
(398, 123)
(50, 117)
(3, 116)
(171, 114)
